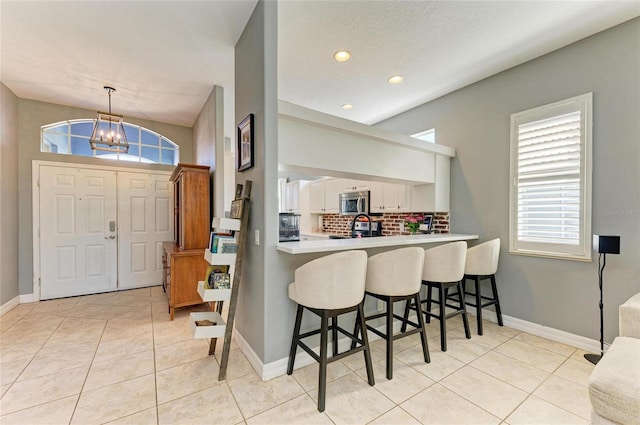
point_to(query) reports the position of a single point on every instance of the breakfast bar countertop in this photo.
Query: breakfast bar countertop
(329, 245)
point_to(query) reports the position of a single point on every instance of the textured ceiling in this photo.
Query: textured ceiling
(164, 57)
(437, 46)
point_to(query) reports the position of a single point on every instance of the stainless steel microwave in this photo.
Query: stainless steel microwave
(354, 203)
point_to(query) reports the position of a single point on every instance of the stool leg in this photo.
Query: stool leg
(322, 376)
(465, 321)
(476, 280)
(441, 316)
(365, 341)
(389, 303)
(429, 300)
(423, 333)
(334, 334)
(356, 329)
(407, 306)
(495, 297)
(294, 340)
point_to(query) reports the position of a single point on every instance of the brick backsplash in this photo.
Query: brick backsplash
(391, 223)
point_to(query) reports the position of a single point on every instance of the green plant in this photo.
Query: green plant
(413, 222)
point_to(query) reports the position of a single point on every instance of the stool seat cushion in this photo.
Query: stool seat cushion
(395, 273)
(614, 384)
(629, 314)
(331, 282)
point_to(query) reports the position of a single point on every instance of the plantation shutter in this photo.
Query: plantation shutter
(550, 196)
(549, 180)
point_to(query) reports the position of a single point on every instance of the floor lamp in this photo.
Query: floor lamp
(604, 245)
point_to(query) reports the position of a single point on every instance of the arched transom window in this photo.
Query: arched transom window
(72, 138)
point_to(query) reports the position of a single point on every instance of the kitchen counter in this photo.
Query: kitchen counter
(329, 245)
(313, 236)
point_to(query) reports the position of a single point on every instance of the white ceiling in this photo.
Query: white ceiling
(438, 46)
(164, 57)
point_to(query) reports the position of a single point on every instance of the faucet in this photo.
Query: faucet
(355, 219)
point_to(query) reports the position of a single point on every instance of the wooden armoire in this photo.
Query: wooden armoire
(183, 258)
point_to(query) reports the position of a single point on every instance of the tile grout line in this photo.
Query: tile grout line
(32, 359)
(155, 366)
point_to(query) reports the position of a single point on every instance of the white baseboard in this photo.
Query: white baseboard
(9, 305)
(251, 355)
(553, 334)
(28, 298)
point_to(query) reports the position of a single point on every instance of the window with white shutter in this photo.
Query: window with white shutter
(550, 211)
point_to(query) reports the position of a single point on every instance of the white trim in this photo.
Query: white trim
(35, 230)
(246, 349)
(9, 305)
(547, 332)
(29, 298)
(35, 208)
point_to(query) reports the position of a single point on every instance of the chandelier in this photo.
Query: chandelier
(108, 133)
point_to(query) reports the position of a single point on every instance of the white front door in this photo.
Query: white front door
(77, 231)
(145, 218)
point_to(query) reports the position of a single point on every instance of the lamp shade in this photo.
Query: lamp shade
(606, 244)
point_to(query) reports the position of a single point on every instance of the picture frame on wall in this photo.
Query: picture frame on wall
(244, 152)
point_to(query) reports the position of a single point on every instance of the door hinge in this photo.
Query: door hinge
(38, 232)
(38, 182)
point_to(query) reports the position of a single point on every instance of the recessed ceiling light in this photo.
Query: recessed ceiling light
(342, 55)
(347, 106)
(395, 79)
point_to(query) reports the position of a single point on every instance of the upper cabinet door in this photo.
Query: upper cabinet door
(291, 191)
(390, 191)
(376, 200)
(316, 197)
(351, 185)
(332, 191)
(404, 197)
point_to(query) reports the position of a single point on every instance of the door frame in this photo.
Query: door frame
(35, 207)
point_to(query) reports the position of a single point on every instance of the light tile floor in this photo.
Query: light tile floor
(116, 358)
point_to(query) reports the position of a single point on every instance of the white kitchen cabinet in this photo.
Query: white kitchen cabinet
(389, 197)
(404, 198)
(351, 185)
(324, 196)
(291, 197)
(332, 191)
(376, 198)
(316, 197)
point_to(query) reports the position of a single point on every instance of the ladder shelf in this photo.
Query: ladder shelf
(211, 325)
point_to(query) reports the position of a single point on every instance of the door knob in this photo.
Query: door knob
(110, 237)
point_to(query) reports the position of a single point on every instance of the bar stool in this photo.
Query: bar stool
(328, 287)
(443, 268)
(482, 264)
(396, 276)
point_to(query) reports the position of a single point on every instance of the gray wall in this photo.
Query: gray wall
(8, 195)
(34, 114)
(208, 145)
(475, 121)
(256, 93)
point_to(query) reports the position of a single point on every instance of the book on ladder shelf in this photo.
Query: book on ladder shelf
(222, 280)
